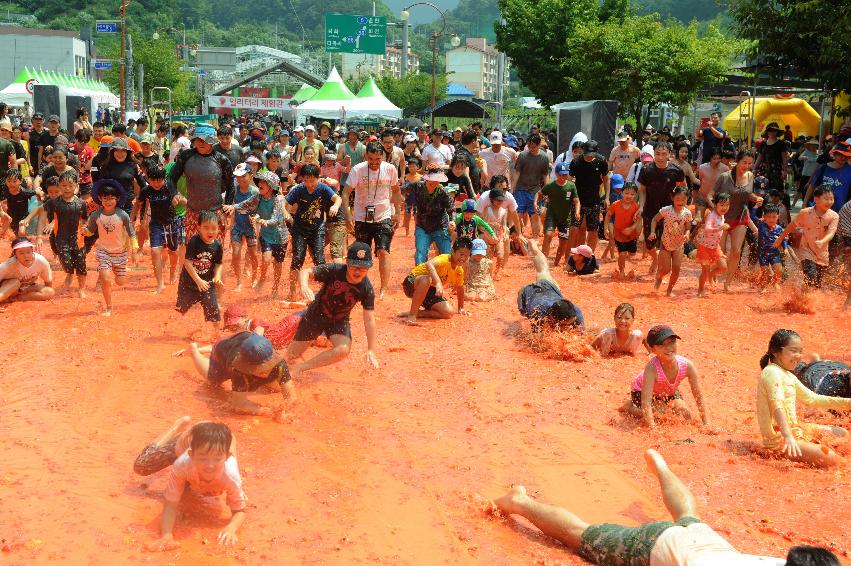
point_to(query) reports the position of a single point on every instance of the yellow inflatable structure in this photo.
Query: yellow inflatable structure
(795, 112)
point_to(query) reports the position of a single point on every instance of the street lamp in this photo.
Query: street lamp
(122, 10)
(455, 41)
(184, 48)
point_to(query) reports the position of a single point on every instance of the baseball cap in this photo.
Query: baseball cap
(590, 146)
(479, 247)
(469, 206)
(659, 334)
(309, 128)
(511, 141)
(257, 356)
(583, 250)
(616, 181)
(240, 170)
(562, 168)
(252, 159)
(647, 153)
(206, 133)
(284, 133)
(53, 118)
(495, 137)
(325, 124)
(38, 116)
(496, 194)
(106, 142)
(360, 255)
(410, 138)
(298, 129)
(623, 135)
(5, 125)
(233, 313)
(649, 129)
(329, 156)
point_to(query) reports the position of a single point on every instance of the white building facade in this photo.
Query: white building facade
(475, 66)
(41, 49)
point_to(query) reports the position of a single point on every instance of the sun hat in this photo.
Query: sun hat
(22, 245)
(120, 143)
(240, 170)
(435, 173)
(98, 186)
(271, 178)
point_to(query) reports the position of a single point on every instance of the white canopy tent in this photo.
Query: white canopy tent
(371, 102)
(329, 101)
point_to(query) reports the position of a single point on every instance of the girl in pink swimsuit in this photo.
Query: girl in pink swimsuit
(657, 387)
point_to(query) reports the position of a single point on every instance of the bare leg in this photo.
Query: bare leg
(252, 259)
(236, 263)
(37, 293)
(676, 261)
(545, 247)
(737, 237)
(157, 260)
(664, 267)
(384, 269)
(277, 268)
(535, 221)
(421, 287)
(295, 295)
(202, 362)
(265, 260)
(441, 310)
(592, 238)
(9, 288)
(105, 277)
(178, 426)
(555, 522)
(678, 499)
(342, 345)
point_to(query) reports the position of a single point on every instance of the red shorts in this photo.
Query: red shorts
(736, 223)
(283, 332)
(708, 256)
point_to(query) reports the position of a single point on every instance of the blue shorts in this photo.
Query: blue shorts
(279, 251)
(237, 233)
(770, 257)
(168, 235)
(410, 202)
(525, 202)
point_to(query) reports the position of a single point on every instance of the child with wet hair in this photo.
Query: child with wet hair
(777, 394)
(622, 338)
(203, 459)
(656, 388)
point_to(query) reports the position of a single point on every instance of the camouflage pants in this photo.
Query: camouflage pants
(616, 545)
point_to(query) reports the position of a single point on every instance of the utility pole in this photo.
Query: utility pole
(122, 10)
(404, 43)
(141, 71)
(130, 89)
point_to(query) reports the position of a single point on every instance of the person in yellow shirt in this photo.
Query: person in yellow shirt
(426, 284)
(777, 392)
(97, 133)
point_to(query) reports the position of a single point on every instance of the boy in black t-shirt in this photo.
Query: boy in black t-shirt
(201, 278)
(70, 212)
(343, 286)
(166, 229)
(14, 201)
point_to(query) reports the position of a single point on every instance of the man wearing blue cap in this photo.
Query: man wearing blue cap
(248, 361)
(562, 209)
(208, 175)
(343, 287)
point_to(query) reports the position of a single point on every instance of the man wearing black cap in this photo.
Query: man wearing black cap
(590, 171)
(37, 144)
(343, 286)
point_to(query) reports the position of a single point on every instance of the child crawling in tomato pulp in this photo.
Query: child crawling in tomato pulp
(203, 459)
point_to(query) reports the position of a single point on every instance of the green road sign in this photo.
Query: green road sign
(345, 33)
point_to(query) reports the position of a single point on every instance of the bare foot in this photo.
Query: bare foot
(159, 289)
(81, 293)
(631, 274)
(275, 293)
(238, 288)
(701, 293)
(381, 293)
(670, 293)
(258, 284)
(618, 276)
(512, 501)
(408, 318)
(106, 312)
(655, 462)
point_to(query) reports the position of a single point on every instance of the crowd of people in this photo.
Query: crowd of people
(477, 197)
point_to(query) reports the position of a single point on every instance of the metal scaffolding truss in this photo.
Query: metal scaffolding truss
(256, 61)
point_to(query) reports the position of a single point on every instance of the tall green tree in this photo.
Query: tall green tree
(535, 36)
(640, 61)
(412, 93)
(162, 69)
(580, 50)
(809, 39)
